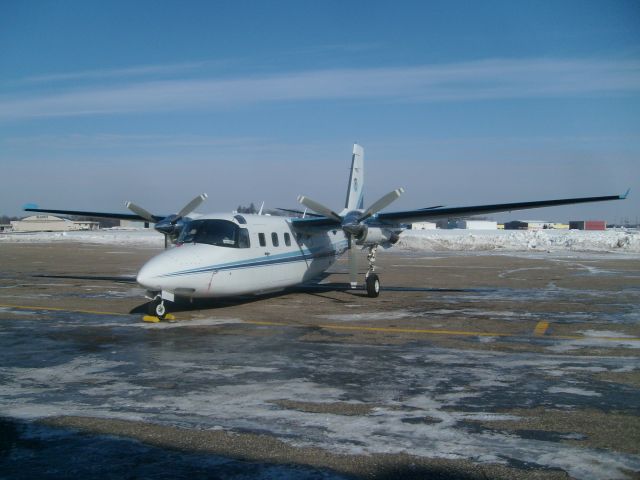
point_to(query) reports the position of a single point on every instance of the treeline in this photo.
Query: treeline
(253, 209)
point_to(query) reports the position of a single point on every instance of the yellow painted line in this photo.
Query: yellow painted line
(358, 328)
(541, 328)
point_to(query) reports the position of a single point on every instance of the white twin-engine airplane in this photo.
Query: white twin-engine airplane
(222, 255)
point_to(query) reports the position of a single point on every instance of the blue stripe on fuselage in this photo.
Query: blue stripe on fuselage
(289, 257)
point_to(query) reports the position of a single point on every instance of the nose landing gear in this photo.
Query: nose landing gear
(156, 307)
(371, 280)
(157, 310)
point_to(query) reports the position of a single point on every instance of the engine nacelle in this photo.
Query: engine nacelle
(377, 236)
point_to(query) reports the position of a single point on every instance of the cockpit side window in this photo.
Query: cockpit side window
(241, 220)
(243, 238)
(221, 233)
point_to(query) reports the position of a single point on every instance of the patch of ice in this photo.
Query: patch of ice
(605, 334)
(574, 391)
(354, 317)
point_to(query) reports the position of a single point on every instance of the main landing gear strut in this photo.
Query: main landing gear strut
(372, 281)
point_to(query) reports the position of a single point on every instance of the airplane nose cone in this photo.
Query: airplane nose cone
(149, 275)
(143, 277)
(165, 271)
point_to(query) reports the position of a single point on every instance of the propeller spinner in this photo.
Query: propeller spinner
(169, 226)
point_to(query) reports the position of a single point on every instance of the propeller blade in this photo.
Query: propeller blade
(317, 207)
(353, 265)
(138, 210)
(192, 205)
(382, 203)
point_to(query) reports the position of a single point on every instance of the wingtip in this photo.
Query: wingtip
(625, 195)
(29, 206)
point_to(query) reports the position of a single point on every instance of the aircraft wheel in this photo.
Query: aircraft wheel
(373, 285)
(160, 310)
(156, 307)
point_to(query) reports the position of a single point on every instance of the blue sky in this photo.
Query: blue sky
(461, 103)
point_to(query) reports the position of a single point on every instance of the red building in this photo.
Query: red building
(588, 225)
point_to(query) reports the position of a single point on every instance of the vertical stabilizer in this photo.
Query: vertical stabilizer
(355, 198)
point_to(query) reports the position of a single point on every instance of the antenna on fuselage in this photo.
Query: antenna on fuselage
(261, 207)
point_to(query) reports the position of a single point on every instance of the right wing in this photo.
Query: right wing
(410, 216)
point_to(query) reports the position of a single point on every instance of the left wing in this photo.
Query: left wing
(410, 216)
(122, 216)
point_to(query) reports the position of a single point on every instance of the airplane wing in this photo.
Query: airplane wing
(314, 222)
(298, 212)
(434, 213)
(122, 216)
(409, 216)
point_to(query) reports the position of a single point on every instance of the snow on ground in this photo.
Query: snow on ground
(624, 241)
(627, 241)
(133, 237)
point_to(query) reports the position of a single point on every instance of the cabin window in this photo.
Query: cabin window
(241, 220)
(262, 240)
(274, 239)
(287, 239)
(221, 233)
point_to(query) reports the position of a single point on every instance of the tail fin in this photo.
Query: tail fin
(355, 197)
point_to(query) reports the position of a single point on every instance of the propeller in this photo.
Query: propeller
(138, 210)
(352, 223)
(169, 226)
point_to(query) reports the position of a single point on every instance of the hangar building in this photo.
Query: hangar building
(49, 223)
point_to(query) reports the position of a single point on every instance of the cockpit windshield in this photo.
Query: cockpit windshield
(221, 233)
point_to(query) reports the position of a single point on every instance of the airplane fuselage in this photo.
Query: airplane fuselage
(221, 255)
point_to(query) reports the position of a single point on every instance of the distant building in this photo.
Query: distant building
(527, 225)
(476, 224)
(423, 226)
(49, 223)
(5, 227)
(588, 225)
(134, 224)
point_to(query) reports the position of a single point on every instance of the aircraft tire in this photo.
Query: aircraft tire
(156, 307)
(373, 285)
(160, 310)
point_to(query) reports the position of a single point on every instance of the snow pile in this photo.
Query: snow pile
(521, 240)
(143, 238)
(627, 241)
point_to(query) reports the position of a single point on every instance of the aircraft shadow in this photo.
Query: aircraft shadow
(91, 277)
(316, 289)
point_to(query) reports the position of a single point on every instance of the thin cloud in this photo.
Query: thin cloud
(467, 81)
(140, 70)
